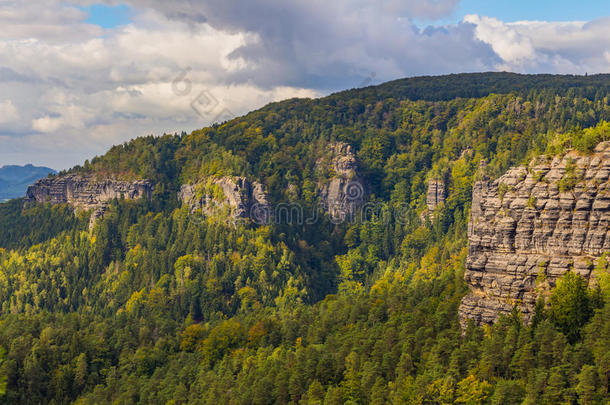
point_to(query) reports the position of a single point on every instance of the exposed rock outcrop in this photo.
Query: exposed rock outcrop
(531, 226)
(85, 192)
(241, 197)
(345, 192)
(435, 195)
(95, 215)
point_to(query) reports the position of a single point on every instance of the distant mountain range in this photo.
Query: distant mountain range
(14, 180)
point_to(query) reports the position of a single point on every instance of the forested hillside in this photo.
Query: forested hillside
(163, 303)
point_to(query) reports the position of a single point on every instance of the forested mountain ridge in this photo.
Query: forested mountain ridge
(164, 300)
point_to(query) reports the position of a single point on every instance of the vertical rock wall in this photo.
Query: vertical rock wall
(435, 195)
(530, 227)
(85, 192)
(344, 194)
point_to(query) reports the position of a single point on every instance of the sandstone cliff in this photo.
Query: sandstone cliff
(345, 192)
(531, 226)
(85, 192)
(241, 197)
(435, 195)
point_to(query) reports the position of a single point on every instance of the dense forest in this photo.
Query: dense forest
(158, 304)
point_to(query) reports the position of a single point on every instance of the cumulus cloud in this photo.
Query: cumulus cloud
(74, 97)
(8, 112)
(331, 45)
(69, 89)
(49, 20)
(508, 43)
(573, 47)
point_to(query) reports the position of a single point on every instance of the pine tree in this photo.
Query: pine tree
(587, 385)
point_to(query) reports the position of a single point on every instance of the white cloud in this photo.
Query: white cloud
(77, 98)
(551, 47)
(507, 42)
(67, 116)
(47, 124)
(8, 112)
(50, 19)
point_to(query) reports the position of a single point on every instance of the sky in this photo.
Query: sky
(78, 76)
(530, 10)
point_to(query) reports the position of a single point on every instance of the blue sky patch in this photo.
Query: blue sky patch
(108, 16)
(525, 10)
(540, 10)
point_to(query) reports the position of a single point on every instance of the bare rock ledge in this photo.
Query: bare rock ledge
(525, 231)
(85, 192)
(345, 192)
(241, 197)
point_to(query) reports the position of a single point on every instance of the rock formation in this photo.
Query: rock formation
(95, 215)
(85, 192)
(531, 226)
(241, 197)
(345, 192)
(435, 195)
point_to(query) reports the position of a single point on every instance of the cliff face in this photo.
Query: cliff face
(345, 192)
(243, 198)
(530, 227)
(435, 195)
(85, 192)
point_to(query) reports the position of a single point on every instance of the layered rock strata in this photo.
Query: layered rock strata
(86, 192)
(435, 195)
(531, 226)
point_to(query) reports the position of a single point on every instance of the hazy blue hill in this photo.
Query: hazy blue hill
(14, 180)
